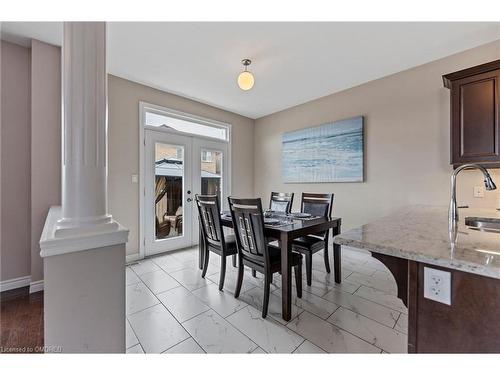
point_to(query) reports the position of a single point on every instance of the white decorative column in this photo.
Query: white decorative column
(84, 159)
(82, 246)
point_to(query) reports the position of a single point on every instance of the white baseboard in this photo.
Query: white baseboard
(18, 282)
(36, 286)
(132, 258)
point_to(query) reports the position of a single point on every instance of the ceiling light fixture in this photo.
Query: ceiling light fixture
(245, 79)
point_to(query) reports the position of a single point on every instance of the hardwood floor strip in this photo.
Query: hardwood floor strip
(21, 321)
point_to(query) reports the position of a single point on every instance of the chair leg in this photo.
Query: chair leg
(239, 282)
(222, 271)
(309, 268)
(254, 273)
(201, 249)
(298, 279)
(234, 261)
(327, 261)
(267, 288)
(205, 262)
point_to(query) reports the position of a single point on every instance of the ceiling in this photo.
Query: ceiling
(292, 62)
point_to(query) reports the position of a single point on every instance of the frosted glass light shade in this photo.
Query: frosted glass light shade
(245, 80)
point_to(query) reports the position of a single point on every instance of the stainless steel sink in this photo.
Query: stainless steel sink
(487, 224)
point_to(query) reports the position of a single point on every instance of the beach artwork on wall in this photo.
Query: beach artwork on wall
(331, 152)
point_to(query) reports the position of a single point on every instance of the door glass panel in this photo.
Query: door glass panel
(211, 173)
(169, 179)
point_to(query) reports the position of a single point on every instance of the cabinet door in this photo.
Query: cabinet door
(474, 119)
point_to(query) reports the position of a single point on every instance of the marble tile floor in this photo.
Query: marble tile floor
(171, 309)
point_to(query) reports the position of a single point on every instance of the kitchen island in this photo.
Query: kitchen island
(415, 242)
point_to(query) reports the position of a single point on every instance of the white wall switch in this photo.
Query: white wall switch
(437, 285)
(135, 178)
(478, 191)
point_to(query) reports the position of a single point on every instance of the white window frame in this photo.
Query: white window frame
(149, 107)
(207, 159)
(163, 111)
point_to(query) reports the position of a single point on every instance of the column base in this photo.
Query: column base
(75, 227)
(61, 236)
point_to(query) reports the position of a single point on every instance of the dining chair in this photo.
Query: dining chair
(213, 234)
(281, 202)
(316, 204)
(254, 250)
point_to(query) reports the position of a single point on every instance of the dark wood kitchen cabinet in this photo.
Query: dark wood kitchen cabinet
(474, 116)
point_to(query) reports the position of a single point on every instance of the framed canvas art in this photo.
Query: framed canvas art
(331, 152)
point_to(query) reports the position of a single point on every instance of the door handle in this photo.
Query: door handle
(189, 199)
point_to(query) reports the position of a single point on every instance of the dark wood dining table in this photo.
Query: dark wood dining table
(286, 234)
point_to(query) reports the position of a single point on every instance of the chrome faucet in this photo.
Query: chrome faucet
(488, 184)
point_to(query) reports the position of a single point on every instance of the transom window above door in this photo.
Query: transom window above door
(158, 117)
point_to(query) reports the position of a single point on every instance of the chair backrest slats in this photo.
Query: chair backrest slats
(317, 204)
(209, 214)
(281, 202)
(248, 226)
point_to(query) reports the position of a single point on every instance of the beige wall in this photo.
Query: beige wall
(15, 162)
(31, 149)
(123, 149)
(406, 142)
(45, 142)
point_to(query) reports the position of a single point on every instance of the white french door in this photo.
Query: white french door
(211, 174)
(177, 167)
(168, 195)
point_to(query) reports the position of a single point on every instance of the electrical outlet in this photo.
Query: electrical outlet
(478, 191)
(135, 178)
(437, 285)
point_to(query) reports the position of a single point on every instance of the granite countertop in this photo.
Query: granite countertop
(421, 233)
